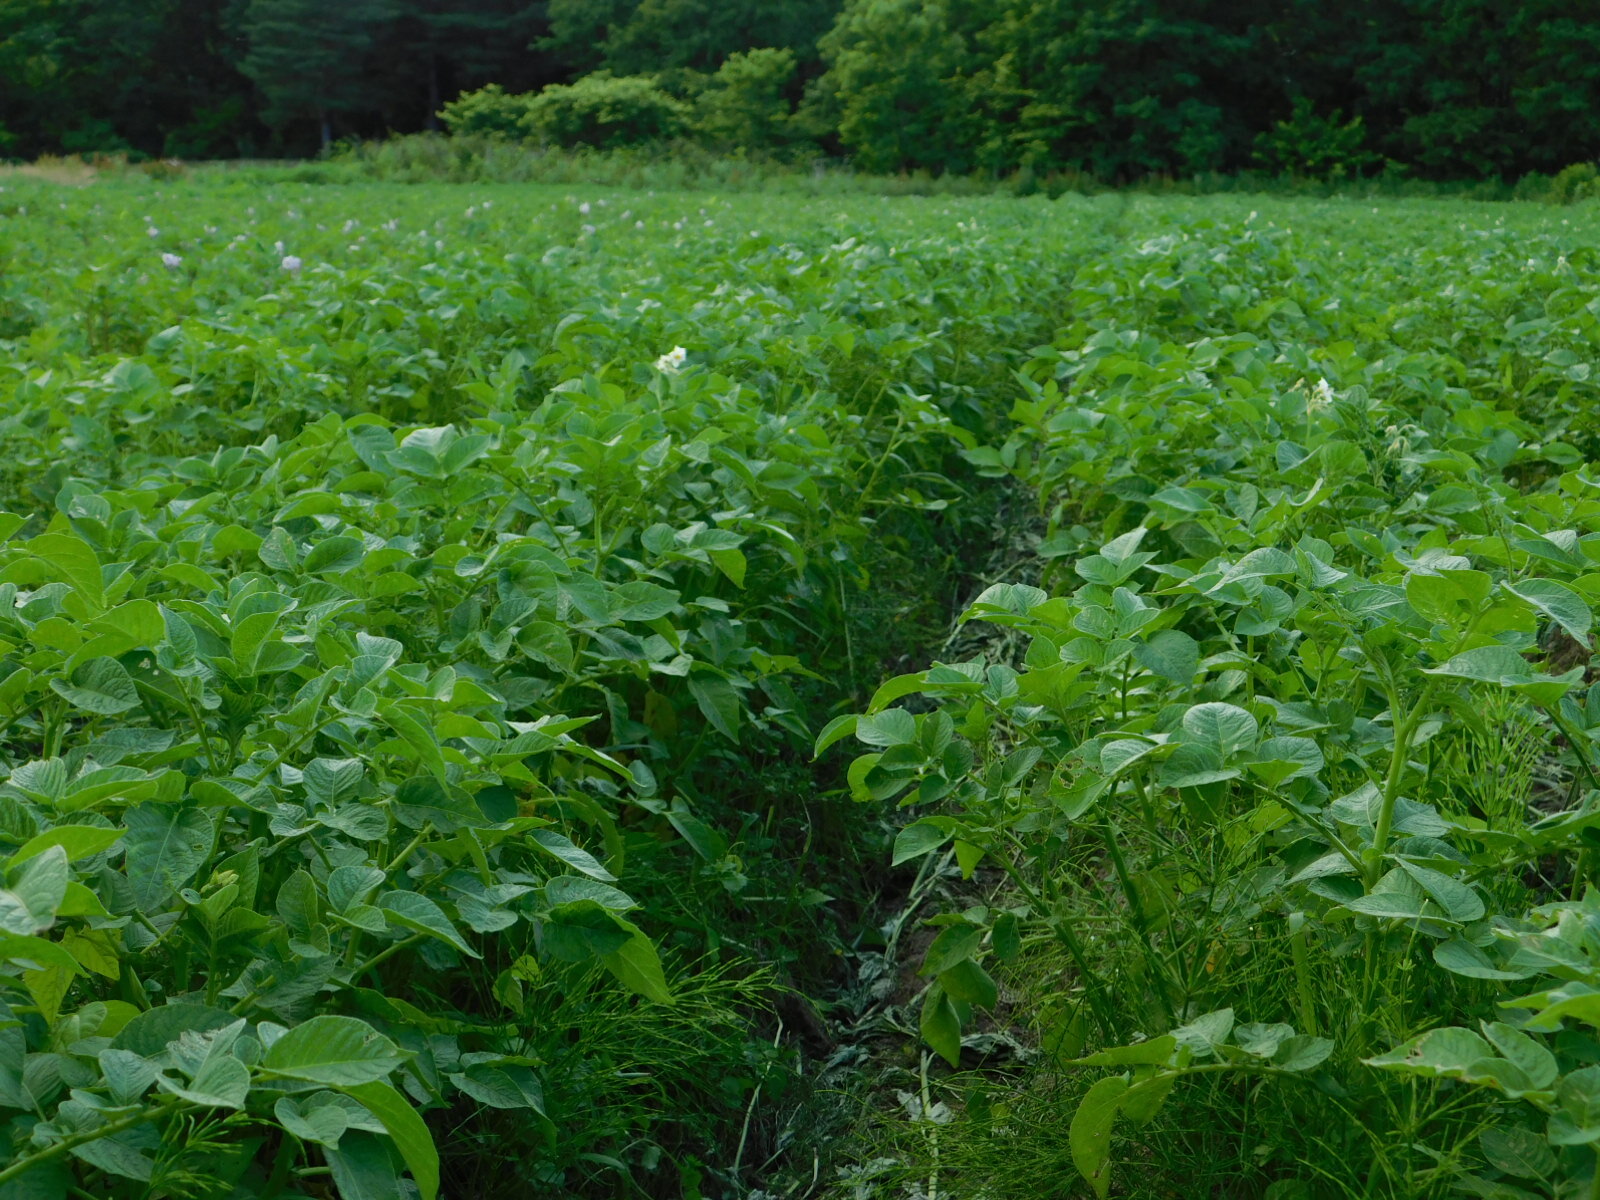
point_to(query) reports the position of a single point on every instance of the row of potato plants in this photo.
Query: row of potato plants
(1259, 758)
(365, 775)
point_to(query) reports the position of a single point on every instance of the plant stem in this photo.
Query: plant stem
(1572, 741)
(1063, 934)
(66, 1145)
(199, 726)
(377, 958)
(1298, 938)
(1141, 923)
(398, 859)
(1403, 734)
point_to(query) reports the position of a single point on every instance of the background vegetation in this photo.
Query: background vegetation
(1111, 89)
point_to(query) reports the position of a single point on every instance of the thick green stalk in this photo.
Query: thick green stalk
(1298, 939)
(1403, 734)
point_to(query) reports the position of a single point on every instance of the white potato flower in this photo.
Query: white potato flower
(172, 261)
(672, 360)
(291, 262)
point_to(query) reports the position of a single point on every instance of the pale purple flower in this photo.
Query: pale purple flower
(291, 262)
(172, 261)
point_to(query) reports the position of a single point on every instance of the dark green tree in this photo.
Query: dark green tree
(642, 37)
(434, 49)
(309, 58)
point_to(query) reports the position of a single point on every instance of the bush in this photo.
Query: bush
(488, 112)
(606, 110)
(94, 136)
(746, 103)
(1580, 181)
(1311, 146)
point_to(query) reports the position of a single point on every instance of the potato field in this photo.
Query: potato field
(519, 691)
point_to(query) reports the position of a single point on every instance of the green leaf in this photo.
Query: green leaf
(48, 1180)
(334, 1051)
(101, 686)
(971, 984)
(1396, 896)
(1518, 1152)
(1460, 903)
(299, 905)
(1089, 1136)
(1527, 1054)
(36, 953)
(421, 915)
(940, 1026)
(834, 731)
(892, 727)
(333, 555)
(73, 560)
(352, 885)
(409, 1131)
(572, 855)
(1170, 653)
(166, 846)
(128, 1075)
(1502, 665)
(1262, 1041)
(718, 701)
(919, 838)
(731, 562)
(416, 733)
(258, 620)
(1206, 1033)
(152, 1031)
(35, 894)
(642, 601)
(955, 944)
(218, 1078)
(1301, 1052)
(1015, 598)
(1225, 728)
(1158, 1052)
(363, 1167)
(637, 965)
(1439, 1052)
(1463, 958)
(1578, 1121)
(502, 1084)
(332, 781)
(323, 1124)
(1280, 759)
(78, 841)
(1558, 602)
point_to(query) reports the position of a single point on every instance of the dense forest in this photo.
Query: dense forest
(1436, 89)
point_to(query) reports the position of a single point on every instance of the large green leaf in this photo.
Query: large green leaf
(166, 846)
(412, 911)
(1089, 1135)
(101, 686)
(409, 1131)
(336, 1051)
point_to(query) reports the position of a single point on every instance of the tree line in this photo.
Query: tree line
(1120, 89)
